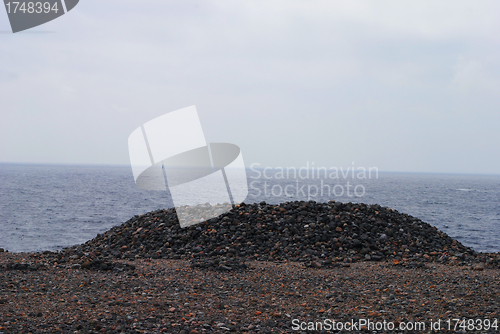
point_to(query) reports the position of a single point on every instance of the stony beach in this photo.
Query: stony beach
(255, 269)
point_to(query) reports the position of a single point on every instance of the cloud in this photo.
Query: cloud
(471, 77)
(313, 80)
(6, 76)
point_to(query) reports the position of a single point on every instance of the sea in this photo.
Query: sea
(49, 207)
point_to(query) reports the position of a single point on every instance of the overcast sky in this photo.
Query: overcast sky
(400, 85)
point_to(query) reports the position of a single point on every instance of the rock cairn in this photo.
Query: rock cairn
(318, 234)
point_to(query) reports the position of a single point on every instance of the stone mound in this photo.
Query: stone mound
(318, 234)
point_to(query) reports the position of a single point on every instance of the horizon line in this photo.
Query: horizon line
(247, 167)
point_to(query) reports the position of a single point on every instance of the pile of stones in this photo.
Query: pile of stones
(315, 234)
(318, 234)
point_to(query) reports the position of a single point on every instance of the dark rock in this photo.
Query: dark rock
(86, 265)
(315, 264)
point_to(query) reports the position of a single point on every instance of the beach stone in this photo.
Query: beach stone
(86, 265)
(315, 264)
(478, 266)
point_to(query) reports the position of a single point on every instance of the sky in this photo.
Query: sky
(409, 86)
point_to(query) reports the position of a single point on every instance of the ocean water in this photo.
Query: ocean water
(48, 207)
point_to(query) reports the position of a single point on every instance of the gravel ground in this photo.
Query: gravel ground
(258, 268)
(170, 296)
